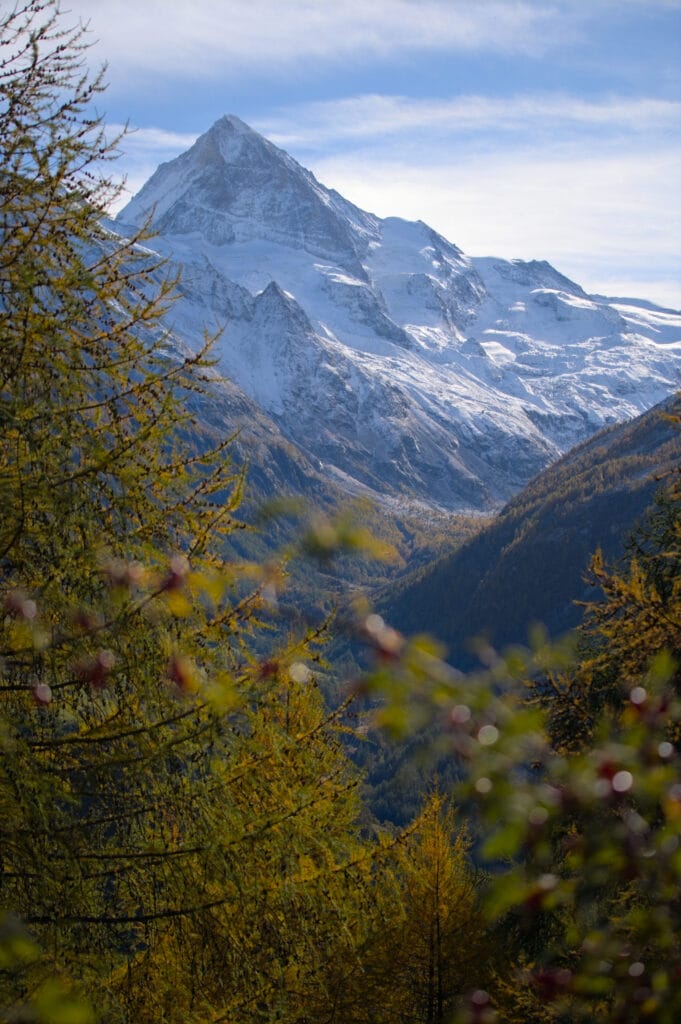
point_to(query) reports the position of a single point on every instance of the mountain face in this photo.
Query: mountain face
(393, 363)
(530, 564)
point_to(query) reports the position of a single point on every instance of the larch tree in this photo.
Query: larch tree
(573, 767)
(439, 949)
(177, 820)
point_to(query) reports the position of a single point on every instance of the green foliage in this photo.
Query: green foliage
(181, 835)
(631, 630)
(178, 821)
(440, 947)
(576, 785)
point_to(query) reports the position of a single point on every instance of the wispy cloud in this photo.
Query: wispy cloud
(151, 140)
(219, 36)
(371, 116)
(596, 216)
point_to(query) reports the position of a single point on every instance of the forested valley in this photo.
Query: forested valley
(185, 833)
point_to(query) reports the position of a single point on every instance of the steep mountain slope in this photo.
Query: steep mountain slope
(529, 565)
(277, 470)
(396, 365)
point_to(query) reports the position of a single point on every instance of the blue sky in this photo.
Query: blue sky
(545, 129)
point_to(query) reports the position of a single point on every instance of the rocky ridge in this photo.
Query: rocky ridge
(393, 363)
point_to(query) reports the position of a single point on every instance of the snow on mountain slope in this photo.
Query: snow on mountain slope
(393, 361)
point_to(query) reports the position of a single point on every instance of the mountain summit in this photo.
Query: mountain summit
(234, 185)
(396, 364)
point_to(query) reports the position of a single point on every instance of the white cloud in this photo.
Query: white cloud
(663, 291)
(219, 37)
(151, 140)
(597, 216)
(369, 116)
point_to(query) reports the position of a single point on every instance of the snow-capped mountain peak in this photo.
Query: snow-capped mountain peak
(233, 185)
(400, 365)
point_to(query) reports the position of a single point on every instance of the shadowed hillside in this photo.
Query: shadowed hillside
(530, 565)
